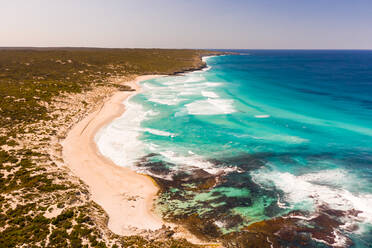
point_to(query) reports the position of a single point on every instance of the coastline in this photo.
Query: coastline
(231, 199)
(126, 196)
(40, 187)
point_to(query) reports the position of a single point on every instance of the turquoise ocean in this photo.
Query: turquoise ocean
(265, 135)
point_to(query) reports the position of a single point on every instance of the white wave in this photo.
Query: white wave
(328, 187)
(187, 93)
(164, 97)
(184, 87)
(205, 58)
(173, 82)
(152, 147)
(207, 68)
(173, 94)
(193, 79)
(279, 203)
(209, 94)
(262, 116)
(277, 138)
(203, 89)
(165, 101)
(119, 140)
(194, 161)
(178, 89)
(181, 80)
(157, 132)
(150, 86)
(211, 107)
(212, 84)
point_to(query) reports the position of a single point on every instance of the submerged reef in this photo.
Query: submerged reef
(208, 206)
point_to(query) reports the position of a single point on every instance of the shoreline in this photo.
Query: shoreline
(126, 196)
(128, 204)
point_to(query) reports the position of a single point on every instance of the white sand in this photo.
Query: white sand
(127, 197)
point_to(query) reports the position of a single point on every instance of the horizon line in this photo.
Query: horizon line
(170, 48)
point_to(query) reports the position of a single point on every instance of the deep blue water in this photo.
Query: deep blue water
(282, 130)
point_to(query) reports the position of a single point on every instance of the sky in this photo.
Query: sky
(219, 24)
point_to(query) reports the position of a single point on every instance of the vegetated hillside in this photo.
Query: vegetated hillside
(30, 76)
(43, 92)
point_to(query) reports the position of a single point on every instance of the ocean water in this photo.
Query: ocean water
(260, 136)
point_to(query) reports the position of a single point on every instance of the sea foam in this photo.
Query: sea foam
(211, 107)
(119, 140)
(157, 132)
(193, 161)
(209, 94)
(262, 116)
(315, 189)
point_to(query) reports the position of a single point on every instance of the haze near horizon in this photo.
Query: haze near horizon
(217, 24)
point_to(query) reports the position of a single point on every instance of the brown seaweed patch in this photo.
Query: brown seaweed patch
(246, 162)
(276, 232)
(296, 229)
(203, 229)
(153, 165)
(195, 180)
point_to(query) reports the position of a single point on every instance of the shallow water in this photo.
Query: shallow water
(258, 136)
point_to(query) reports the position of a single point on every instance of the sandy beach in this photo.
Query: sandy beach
(127, 197)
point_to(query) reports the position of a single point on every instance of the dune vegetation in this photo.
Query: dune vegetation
(43, 92)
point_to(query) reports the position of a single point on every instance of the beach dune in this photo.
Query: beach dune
(127, 197)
